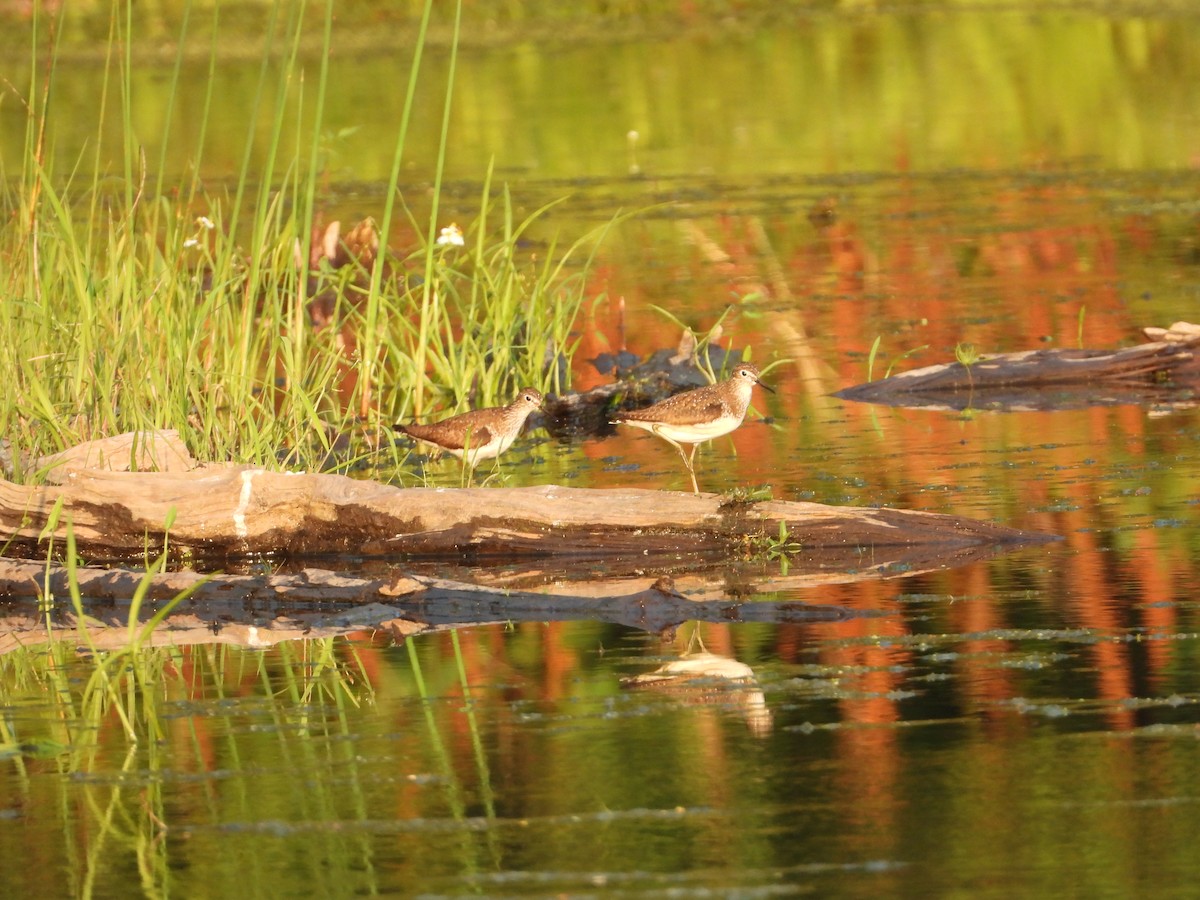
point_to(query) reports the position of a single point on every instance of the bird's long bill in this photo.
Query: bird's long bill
(766, 387)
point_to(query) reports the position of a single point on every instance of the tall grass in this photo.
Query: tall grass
(140, 303)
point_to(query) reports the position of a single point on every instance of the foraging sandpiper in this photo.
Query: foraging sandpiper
(480, 433)
(698, 415)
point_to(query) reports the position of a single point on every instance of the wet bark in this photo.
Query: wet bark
(219, 512)
(1165, 370)
(257, 611)
(644, 558)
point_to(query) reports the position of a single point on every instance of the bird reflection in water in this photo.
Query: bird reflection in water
(701, 678)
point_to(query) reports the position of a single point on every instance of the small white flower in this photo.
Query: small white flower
(205, 222)
(450, 236)
(190, 242)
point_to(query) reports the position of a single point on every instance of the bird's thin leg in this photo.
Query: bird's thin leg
(687, 457)
(687, 461)
(694, 640)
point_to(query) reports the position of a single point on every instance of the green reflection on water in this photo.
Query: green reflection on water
(830, 95)
(465, 762)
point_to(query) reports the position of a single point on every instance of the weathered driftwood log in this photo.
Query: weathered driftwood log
(586, 553)
(257, 611)
(223, 511)
(134, 451)
(1050, 379)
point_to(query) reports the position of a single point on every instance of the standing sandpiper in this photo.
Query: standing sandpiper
(480, 433)
(698, 415)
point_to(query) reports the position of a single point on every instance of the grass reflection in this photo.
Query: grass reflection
(135, 767)
(318, 765)
(455, 795)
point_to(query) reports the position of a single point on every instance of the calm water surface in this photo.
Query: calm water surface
(1021, 726)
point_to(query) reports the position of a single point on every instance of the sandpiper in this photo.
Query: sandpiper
(698, 415)
(480, 433)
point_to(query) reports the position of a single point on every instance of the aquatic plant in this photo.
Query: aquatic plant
(891, 365)
(967, 356)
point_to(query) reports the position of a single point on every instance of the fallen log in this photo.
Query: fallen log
(1165, 370)
(220, 512)
(628, 545)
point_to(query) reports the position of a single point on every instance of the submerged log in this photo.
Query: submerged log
(1165, 370)
(258, 611)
